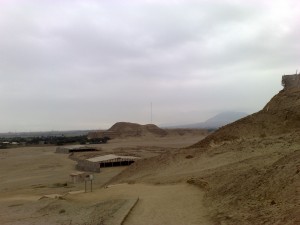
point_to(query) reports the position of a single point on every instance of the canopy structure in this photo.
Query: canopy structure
(94, 164)
(74, 148)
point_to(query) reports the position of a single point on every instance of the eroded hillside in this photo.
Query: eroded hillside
(249, 169)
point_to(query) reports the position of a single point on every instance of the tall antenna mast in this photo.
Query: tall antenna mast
(151, 111)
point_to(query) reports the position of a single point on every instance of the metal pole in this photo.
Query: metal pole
(151, 112)
(85, 186)
(91, 185)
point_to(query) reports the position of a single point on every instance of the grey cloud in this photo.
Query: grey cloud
(105, 61)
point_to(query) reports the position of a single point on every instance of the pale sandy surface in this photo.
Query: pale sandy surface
(27, 174)
(168, 204)
(246, 173)
(157, 204)
(149, 146)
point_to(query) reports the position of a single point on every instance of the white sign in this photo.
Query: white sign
(89, 177)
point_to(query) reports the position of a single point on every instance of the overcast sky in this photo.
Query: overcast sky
(87, 64)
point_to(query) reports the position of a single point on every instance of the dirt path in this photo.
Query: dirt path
(179, 204)
(27, 174)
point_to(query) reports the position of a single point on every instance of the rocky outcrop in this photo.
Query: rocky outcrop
(291, 81)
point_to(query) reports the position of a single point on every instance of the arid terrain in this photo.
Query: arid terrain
(246, 172)
(249, 170)
(32, 177)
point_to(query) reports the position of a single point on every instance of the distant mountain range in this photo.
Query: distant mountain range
(215, 122)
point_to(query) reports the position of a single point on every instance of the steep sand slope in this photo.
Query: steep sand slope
(280, 116)
(249, 169)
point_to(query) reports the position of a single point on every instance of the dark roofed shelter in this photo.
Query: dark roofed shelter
(74, 148)
(111, 160)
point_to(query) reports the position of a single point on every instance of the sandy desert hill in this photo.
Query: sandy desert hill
(280, 116)
(127, 129)
(249, 169)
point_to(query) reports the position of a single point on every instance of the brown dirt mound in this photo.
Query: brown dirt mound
(125, 129)
(252, 192)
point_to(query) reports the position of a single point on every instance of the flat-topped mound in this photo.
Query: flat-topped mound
(126, 129)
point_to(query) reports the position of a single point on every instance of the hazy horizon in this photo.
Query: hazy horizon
(78, 65)
(163, 125)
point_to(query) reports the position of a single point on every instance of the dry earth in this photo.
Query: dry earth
(249, 169)
(28, 174)
(243, 174)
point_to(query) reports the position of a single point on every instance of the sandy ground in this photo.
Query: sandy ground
(158, 204)
(249, 169)
(254, 181)
(168, 204)
(148, 146)
(245, 173)
(28, 174)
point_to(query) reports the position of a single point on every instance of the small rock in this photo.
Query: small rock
(273, 202)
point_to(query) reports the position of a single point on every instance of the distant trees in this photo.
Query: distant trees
(51, 140)
(99, 140)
